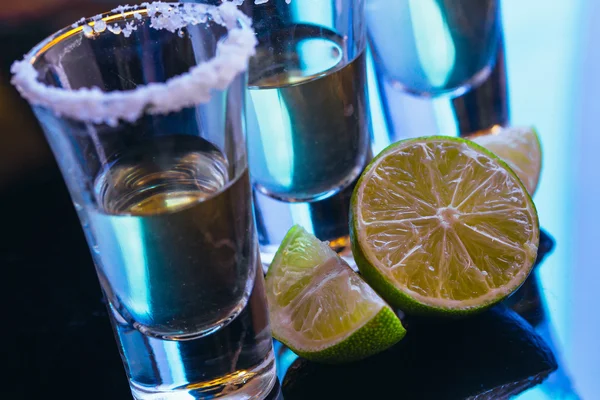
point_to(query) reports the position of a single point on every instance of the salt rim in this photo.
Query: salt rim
(185, 90)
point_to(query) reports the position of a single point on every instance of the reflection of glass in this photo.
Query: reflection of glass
(308, 130)
(433, 47)
(155, 162)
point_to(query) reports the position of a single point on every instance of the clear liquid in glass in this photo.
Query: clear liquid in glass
(434, 47)
(308, 132)
(174, 245)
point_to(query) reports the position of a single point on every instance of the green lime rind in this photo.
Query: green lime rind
(382, 285)
(397, 298)
(378, 334)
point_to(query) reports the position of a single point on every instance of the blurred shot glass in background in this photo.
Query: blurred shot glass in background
(439, 65)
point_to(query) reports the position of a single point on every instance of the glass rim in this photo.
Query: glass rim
(185, 90)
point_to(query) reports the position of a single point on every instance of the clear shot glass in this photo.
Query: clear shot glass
(434, 47)
(308, 125)
(144, 110)
(439, 66)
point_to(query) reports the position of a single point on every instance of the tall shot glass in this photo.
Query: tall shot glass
(308, 127)
(144, 110)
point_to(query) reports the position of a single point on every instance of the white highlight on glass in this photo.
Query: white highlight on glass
(280, 161)
(437, 56)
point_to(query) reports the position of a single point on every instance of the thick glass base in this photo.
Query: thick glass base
(251, 384)
(234, 362)
(327, 219)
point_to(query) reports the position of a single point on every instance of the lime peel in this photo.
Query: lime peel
(321, 309)
(378, 334)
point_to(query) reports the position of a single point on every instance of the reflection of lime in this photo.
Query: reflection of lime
(520, 148)
(321, 309)
(441, 225)
(493, 355)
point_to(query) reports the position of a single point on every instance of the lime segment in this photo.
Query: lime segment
(520, 148)
(322, 309)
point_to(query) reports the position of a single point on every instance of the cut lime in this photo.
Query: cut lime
(441, 225)
(323, 310)
(520, 148)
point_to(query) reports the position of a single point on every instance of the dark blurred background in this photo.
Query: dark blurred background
(23, 24)
(55, 329)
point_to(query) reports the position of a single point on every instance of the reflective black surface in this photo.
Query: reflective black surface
(57, 340)
(496, 355)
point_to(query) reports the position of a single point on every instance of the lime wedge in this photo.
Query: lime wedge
(520, 148)
(321, 309)
(441, 225)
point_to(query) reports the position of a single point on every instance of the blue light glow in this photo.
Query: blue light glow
(131, 232)
(433, 41)
(547, 62)
(279, 148)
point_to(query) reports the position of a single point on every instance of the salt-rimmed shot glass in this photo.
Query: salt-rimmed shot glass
(143, 108)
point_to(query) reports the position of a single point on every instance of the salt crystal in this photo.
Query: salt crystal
(87, 31)
(78, 22)
(116, 29)
(129, 28)
(185, 90)
(100, 26)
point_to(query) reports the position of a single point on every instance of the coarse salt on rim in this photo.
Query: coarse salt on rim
(185, 90)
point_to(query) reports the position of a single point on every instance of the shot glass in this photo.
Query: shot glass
(143, 108)
(434, 47)
(439, 66)
(308, 125)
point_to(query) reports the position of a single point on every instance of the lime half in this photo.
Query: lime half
(323, 310)
(441, 225)
(520, 148)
